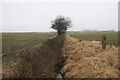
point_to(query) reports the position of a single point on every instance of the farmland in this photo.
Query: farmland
(14, 43)
(112, 37)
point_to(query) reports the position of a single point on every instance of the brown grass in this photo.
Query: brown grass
(88, 60)
(41, 62)
(80, 59)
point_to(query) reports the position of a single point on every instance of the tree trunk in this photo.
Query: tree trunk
(59, 32)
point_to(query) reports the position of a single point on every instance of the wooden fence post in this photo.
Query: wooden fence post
(103, 42)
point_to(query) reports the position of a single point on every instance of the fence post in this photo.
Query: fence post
(103, 42)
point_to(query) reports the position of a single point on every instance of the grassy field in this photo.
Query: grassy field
(13, 44)
(112, 37)
(15, 41)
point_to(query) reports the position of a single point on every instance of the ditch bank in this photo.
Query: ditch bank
(87, 59)
(41, 62)
(66, 57)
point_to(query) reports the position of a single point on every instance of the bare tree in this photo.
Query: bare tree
(61, 24)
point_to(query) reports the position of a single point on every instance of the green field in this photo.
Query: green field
(16, 41)
(112, 37)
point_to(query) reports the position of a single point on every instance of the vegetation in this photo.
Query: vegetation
(61, 24)
(111, 37)
(42, 48)
(38, 62)
(13, 43)
(89, 60)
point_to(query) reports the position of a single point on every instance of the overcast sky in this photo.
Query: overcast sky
(24, 15)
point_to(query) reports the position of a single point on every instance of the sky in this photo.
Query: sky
(36, 15)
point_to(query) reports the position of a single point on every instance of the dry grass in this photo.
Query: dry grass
(42, 62)
(88, 60)
(80, 59)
